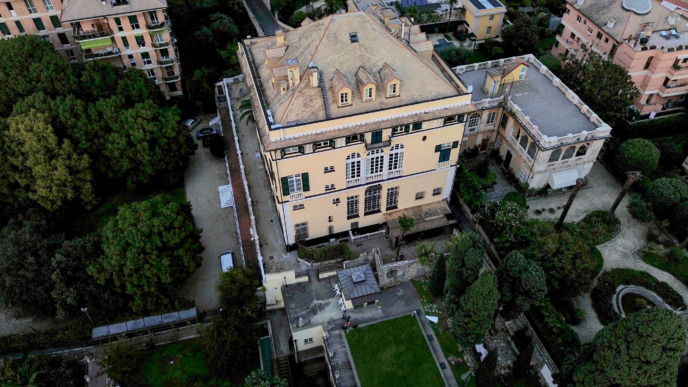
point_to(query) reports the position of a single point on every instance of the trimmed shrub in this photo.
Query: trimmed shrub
(666, 193)
(608, 282)
(454, 56)
(640, 209)
(517, 198)
(637, 154)
(559, 338)
(469, 188)
(298, 17)
(324, 253)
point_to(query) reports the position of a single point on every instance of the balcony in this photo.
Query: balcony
(296, 196)
(377, 145)
(101, 31)
(394, 173)
(678, 70)
(672, 89)
(443, 165)
(173, 78)
(107, 53)
(155, 25)
(167, 61)
(159, 45)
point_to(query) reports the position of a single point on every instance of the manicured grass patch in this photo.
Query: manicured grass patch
(595, 228)
(178, 364)
(393, 353)
(547, 43)
(676, 266)
(477, 57)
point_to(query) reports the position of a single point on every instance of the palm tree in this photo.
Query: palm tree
(25, 375)
(452, 3)
(632, 177)
(406, 223)
(579, 183)
(246, 110)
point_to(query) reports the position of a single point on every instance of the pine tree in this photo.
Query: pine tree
(439, 277)
(476, 310)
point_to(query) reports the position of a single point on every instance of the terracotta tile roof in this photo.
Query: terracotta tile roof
(74, 10)
(417, 38)
(306, 21)
(276, 52)
(387, 73)
(326, 44)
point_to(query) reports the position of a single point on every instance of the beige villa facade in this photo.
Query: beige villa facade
(648, 38)
(543, 132)
(484, 18)
(128, 33)
(354, 124)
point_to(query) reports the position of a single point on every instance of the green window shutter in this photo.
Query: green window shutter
(118, 21)
(301, 149)
(417, 126)
(455, 144)
(4, 29)
(39, 24)
(407, 128)
(438, 148)
(332, 143)
(285, 186)
(305, 183)
(444, 155)
(133, 19)
(281, 153)
(362, 138)
(56, 21)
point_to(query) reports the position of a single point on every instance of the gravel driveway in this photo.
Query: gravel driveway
(204, 174)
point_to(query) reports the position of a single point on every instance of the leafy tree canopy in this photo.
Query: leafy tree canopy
(637, 154)
(475, 313)
(666, 193)
(521, 283)
(522, 37)
(237, 290)
(466, 254)
(148, 249)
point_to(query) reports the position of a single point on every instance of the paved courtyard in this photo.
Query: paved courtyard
(619, 252)
(204, 174)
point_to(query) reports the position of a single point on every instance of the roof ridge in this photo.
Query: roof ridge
(317, 47)
(413, 52)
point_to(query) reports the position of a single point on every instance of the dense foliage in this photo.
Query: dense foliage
(643, 349)
(522, 37)
(148, 249)
(640, 209)
(466, 254)
(42, 371)
(667, 193)
(476, 309)
(439, 277)
(517, 198)
(469, 188)
(637, 154)
(521, 283)
(608, 282)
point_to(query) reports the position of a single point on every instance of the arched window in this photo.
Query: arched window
(568, 153)
(582, 150)
(372, 198)
(554, 156)
(473, 122)
(396, 158)
(375, 162)
(523, 142)
(353, 166)
(531, 150)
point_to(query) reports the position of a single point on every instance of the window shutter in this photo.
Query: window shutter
(281, 153)
(362, 138)
(300, 148)
(304, 182)
(332, 143)
(438, 148)
(407, 128)
(455, 144)
(285, 186)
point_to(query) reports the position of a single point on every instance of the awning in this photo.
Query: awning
(563, 179)
(96, 43)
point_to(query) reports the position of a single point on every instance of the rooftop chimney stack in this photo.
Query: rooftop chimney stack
(280, 38)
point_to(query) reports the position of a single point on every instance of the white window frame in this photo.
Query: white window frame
(522, 74)
(368, 93)
(398, 129)
(375, 162)
(488, 31)
(30, 6)
(329, 187)
(299, 227)
(395, 160)
(151, 74)
(71, 55)
(353, 166)
(295, 183)
(329, 169)
(473, 123)
(48, 4)
(344, 98)
(392, 200)
(491, 118)
(372, 199)
(436, 191)
(420, 195)
(299, 206)
(393, 89)
(352, 206)
(291, 150)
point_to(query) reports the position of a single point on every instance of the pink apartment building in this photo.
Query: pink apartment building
(128, 33)
(649, 38)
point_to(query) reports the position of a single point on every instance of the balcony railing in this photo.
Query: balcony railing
(296, 196)
(394, 173)
(443, 165)
(173, 78)
(167, 61)
(161, 44)
(102, 31)
(108, 53)
(155, 25)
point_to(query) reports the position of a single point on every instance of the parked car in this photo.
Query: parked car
(226, 261)
(205, 132)
(191, 123)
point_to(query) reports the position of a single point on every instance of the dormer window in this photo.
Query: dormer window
(523, 73)
(393, 90)
(368, 93)
(344, 98)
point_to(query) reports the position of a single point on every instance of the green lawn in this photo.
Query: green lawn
(444, 336)
(393, 353)
(178, 364)
(677, 268)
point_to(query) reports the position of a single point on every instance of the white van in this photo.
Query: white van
(226, 261)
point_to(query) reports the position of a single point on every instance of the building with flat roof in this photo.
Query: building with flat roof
(484, 17)
(348, 138)
(543, 132)
(128, 33)
(648, 38)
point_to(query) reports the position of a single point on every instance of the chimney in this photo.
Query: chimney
(580, 2)
(293, 75)
(314, 76)
(279, 34)
(610, 22)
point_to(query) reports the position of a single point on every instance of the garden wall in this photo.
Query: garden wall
(393, 273)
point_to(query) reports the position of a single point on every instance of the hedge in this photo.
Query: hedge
(517, 198)
(666, 193)
(637, 154)
(559, 339)
(324, 253)
(606, 288)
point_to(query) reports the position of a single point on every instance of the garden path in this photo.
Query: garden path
(619, 252)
